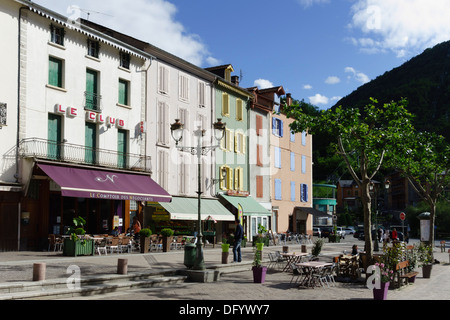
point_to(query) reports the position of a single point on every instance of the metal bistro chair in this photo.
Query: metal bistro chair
(101, 246)
(113, 244)
(126, 245)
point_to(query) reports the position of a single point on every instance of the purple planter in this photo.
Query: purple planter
(259, 274)
(381, 294)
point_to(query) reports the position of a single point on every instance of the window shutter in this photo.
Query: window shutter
(281, 128)
(259, 186)
(259, 155)
(241, 179)
(277, 189)
(274, 126)
(303, 164)
(225, 104)
(292, 191)
(201, 94)
(292, 161)
(277, 157)
(230, 179)
(259, 125)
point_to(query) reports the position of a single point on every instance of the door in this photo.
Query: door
(92, 90)
(122, 147)
(54, 137)
(90, 142)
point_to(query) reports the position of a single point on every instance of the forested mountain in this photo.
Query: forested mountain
(424, 81)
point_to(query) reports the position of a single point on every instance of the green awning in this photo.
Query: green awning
(250, 207)
(187, 209)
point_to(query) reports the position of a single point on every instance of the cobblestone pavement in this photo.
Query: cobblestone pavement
(18, 266)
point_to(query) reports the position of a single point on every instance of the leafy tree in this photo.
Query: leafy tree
(362, 137)
(426, 164)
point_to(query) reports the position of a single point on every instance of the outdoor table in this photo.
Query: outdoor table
(294, 258)
(311, 267)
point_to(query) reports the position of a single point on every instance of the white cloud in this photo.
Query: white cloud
(356, 75)
(403, 26)
(318, 99)
(332, 80)
(140, 19)
(307, 87)
(263, 84)
(309, 3)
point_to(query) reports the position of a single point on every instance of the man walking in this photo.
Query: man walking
(238, 235)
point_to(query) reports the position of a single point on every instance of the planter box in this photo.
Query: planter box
(166, 243)
(145, 244)
(78, 248)
(259, 274)
(426, 271)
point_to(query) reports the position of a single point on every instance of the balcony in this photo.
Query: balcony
(78, 154)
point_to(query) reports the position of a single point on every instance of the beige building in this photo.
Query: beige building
(291, 175)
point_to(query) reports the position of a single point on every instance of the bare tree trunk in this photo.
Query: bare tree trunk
(366, 202)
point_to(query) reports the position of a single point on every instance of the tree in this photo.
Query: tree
(362, 138)
(426, 164)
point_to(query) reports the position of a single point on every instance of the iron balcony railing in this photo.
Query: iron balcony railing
(92, 101)
(72, 153)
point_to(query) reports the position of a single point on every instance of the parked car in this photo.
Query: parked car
(349, 230)
(341, 232)
(316, 232)
(326, 231)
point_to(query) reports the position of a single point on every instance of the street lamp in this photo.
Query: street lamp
(177, 134)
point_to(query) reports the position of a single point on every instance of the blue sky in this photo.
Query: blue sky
(318, 50)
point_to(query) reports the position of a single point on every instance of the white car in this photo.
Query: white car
(349, 230)
(341, 232)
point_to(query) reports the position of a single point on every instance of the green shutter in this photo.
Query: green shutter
(55, 72)
(122, 148)
(91, 90)
(123, 92)
(90, 142)
(54, 137)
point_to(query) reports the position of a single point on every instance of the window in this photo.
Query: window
(259, 186)
(183, 87)
(239, 179)
(259, 125)
(92, 96)
(304, 192)
(124, 87)
(239, 110)
(163, 169)
(163, 79)
(122, 148)
(125, 60)
(3, 114)
(304, 138)
(225, 104)
(303, 164)
(227, 182)
(55, 72)
(90, 142)
(277, 189)
(292, 190)
(183, 171)
(225, 143)
(292, 161)
(239, 143)
(292, 136)
(201, 94)
(163, 120)
(277, 127)
(54, 136)
(277, 151)
(57, 35)
(93, 48)
(259, 155)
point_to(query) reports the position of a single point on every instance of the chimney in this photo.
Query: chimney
(288, 99)
(235, 80)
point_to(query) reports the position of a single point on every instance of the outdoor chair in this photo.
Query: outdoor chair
(113, 245)
(101, 246)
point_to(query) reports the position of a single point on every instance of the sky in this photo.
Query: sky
(318, 50)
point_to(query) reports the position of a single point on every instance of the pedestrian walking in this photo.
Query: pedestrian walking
(238, 236)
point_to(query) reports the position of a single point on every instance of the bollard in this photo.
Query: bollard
(122, 266)
(39, 271)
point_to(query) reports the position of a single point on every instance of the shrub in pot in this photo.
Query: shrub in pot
(425, 252)
(167, 235)
(77, 244)
(144, 238)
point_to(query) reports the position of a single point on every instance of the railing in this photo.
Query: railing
(92, 101)
(72, 153)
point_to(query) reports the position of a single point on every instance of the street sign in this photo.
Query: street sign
(402, 216)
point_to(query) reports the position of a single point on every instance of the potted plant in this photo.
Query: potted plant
(167, 235)
(317, 247)
(386, 275)
(425, 252)
(144, 238)
(78, 244)
(259, 271)
(225, 251)
(413, 258)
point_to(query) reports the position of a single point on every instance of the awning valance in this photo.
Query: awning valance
(98, 184)
(187, 209)
(250, 207)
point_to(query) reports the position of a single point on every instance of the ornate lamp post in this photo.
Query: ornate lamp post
(177, 134)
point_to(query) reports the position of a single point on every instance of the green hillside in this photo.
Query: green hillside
(424, 81)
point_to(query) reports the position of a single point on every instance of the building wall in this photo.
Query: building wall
(285, 208)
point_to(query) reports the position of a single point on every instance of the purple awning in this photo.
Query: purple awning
(97, 184)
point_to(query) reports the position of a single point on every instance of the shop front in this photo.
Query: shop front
(250, 212)
(181, 215)
(105, 199)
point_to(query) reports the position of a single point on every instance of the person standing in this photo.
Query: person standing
(394, 235)
(238, 236)
(136, 228)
